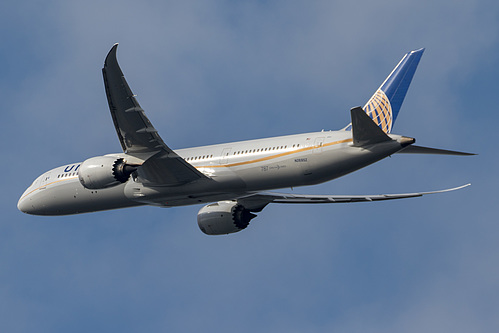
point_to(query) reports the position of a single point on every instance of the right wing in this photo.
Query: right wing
(258, 201)
(138, 138)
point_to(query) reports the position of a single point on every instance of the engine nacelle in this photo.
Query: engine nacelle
(224, 217)
(103, 172)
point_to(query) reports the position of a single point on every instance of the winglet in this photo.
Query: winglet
(364, 130)
(111, 60)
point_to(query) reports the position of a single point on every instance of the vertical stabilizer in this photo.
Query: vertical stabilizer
(384, 106)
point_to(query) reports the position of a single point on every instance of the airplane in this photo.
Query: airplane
(233, 179)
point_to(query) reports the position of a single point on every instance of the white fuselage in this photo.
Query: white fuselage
(233, 170)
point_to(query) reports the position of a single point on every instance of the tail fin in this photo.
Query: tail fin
(383, 107)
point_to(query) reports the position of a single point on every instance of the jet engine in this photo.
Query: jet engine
(224, 217)
(104, 171)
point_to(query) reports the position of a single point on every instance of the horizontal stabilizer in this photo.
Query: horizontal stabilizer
(364, 129)
(433, 151)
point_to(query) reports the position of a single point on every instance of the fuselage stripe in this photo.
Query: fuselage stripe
(274, 156)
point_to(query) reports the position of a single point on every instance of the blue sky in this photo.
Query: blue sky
(221, 71)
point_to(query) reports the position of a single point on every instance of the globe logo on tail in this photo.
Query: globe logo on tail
(380, 111)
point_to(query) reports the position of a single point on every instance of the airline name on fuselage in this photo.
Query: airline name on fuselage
(69, 168)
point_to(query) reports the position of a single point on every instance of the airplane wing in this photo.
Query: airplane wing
(258, 201)
(138, 137)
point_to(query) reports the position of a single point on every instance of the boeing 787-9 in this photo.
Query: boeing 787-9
(232, 178)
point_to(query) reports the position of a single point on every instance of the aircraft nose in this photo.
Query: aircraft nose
(37, 203)
(24, 205)
(27, 203)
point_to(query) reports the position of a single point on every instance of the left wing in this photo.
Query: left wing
(160, 164)
(258, 201)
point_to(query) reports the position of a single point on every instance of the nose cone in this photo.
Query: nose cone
(43, 202)
(24, 205)
(29, 202)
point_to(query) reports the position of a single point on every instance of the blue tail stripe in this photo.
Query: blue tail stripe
(384, 106)
(396, 85)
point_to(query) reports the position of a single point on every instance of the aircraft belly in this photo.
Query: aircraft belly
(222, 187)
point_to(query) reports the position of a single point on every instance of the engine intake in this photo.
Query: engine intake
(224, 217)
(104, 171)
